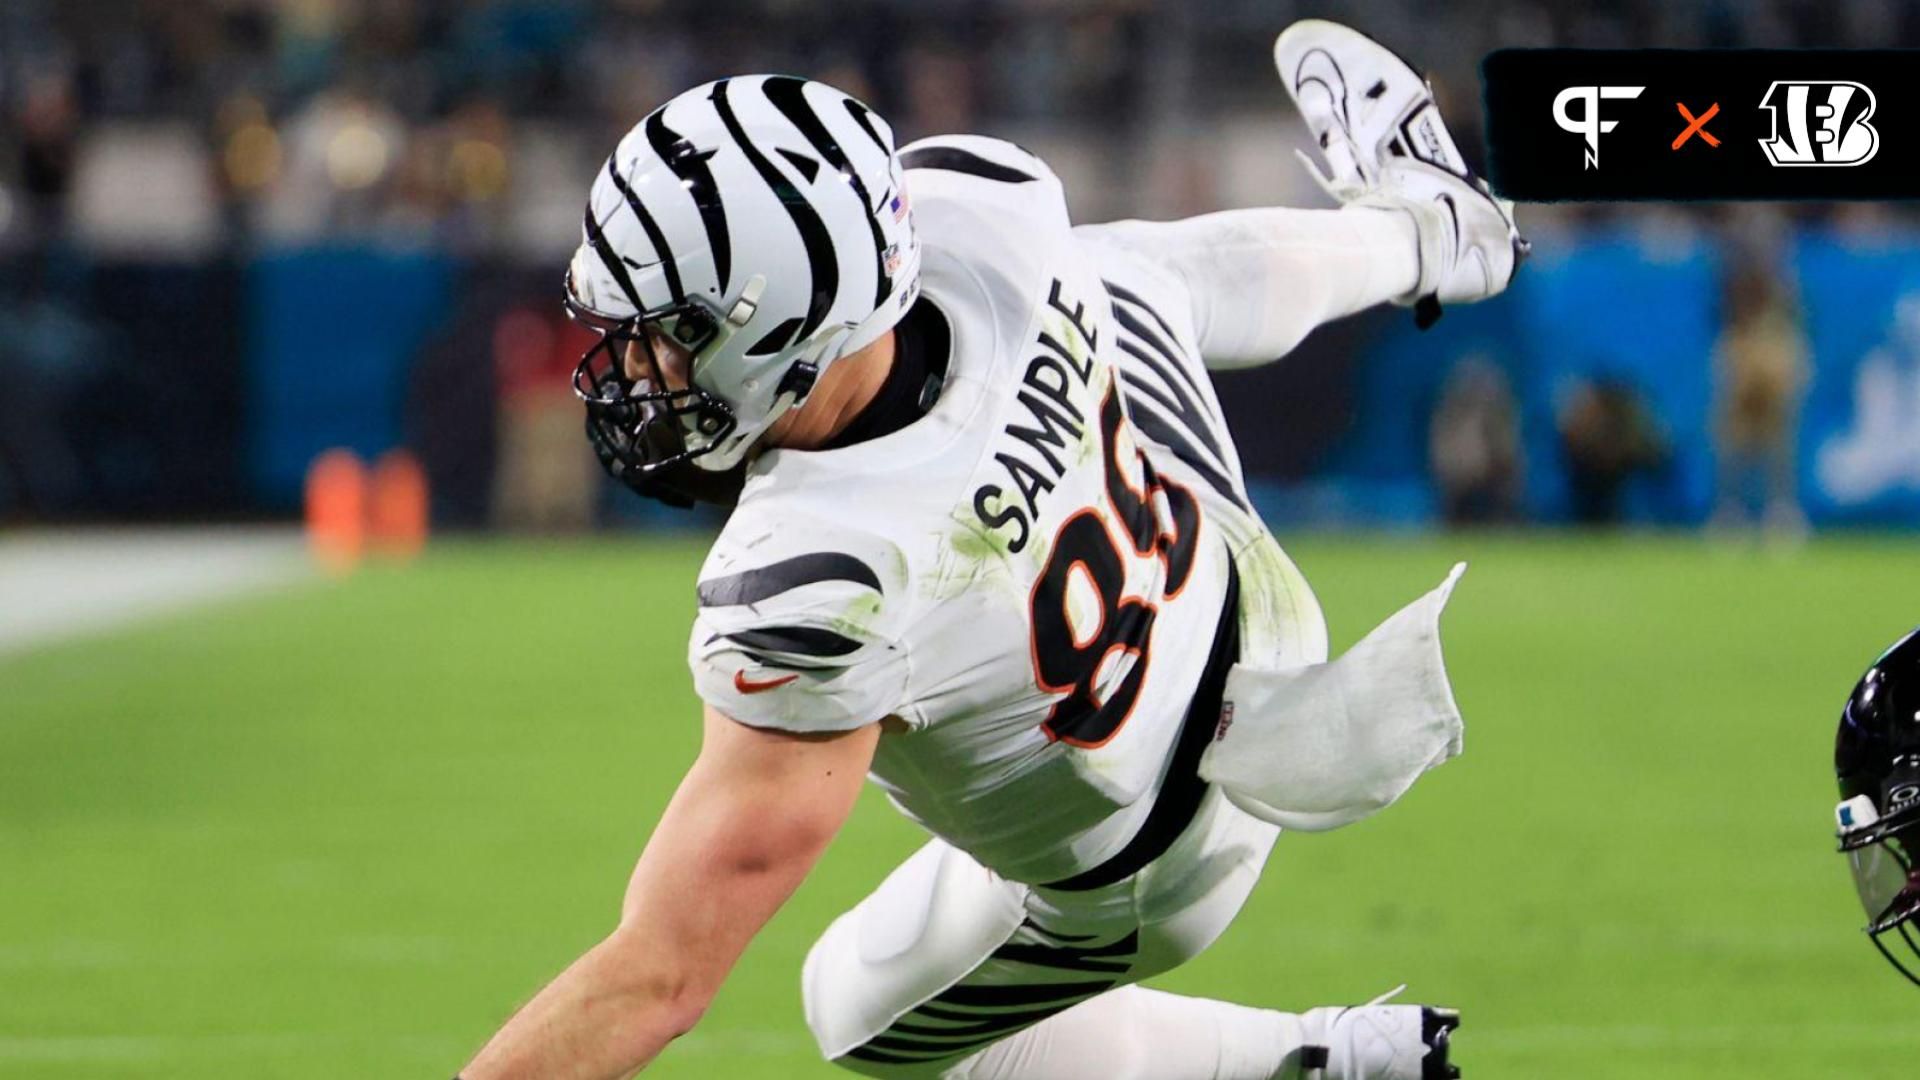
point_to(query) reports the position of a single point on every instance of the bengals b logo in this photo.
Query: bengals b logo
(1825, 123)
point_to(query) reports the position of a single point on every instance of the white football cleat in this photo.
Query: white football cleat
(1386, 147)
(1377, 1041)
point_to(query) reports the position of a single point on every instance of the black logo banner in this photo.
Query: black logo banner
(1589, 124)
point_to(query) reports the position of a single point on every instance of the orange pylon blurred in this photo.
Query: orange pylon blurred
(398, 510)
(336, 510)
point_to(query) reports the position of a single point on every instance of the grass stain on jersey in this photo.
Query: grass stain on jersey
(971, 557)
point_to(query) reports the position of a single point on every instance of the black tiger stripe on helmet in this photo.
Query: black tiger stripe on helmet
(769, 213)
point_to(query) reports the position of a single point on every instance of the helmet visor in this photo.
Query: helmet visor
(1885, 879)
(1881, 853)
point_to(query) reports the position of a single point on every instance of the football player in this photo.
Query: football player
(991, 546)
(1877, 758)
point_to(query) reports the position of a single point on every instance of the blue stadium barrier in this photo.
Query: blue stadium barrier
(1636, 310)
(332, 335)
(1859, 452)
(1605, 309)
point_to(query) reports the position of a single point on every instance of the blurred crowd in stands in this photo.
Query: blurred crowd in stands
(207, 132)
(183, 125)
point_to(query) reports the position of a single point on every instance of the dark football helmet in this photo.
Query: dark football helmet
(1877, 759)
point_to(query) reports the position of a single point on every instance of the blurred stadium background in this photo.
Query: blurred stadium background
(261, 821)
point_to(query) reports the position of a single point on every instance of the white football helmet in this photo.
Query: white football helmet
(759, 222)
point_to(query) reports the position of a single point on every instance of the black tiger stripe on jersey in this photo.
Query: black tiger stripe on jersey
(787, 662)
(866, 1052)
(1179, 395)
(910, 1043)
(796, 640)
(952, 1042)
(1164, 364)
(884, 1058)
(788, 95)
(1028, 994)
(1141, 343)
(696, 175)
(761, 583)
(930, 1053)
(941, 1012)
(999, 1021)
(1055, 934)
(1121, 292)
(1166, 434)
(1167, 347)
(1189, 410)
(914, 1049)
(944, 1043)
(821, 262)
(1174, 400)
(954, 159)
(964, 1024)
(654, 236)
(1114, 957)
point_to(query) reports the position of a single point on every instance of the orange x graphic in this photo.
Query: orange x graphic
(1697, 125)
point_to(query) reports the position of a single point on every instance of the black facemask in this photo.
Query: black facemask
(679, 484)
(639, 432)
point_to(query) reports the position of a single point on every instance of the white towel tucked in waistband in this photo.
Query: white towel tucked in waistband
(1324, 745)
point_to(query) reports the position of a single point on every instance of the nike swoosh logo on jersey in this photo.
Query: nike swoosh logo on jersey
(759, 686)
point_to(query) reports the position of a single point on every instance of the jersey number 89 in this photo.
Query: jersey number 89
(1069, 660)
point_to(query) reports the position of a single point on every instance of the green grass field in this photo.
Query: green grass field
(340, 831)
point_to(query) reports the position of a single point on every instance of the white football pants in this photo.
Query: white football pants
(949, 970)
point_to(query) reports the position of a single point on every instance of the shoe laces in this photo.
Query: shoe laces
(1384, 998)
(1342, 190)
(1319, 1072)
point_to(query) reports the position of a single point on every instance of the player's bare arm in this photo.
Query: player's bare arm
(747, 823)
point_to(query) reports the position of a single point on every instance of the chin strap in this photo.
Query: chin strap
(796, 385)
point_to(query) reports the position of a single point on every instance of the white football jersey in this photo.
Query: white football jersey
(1031, 575)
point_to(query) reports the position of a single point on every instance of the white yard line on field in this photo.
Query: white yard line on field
(65, 584)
